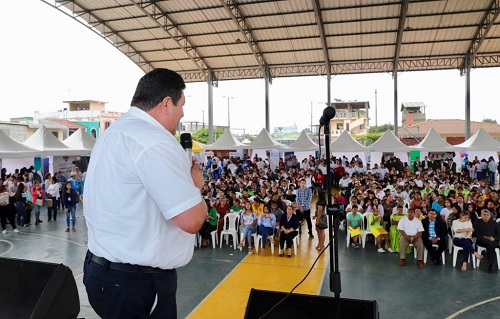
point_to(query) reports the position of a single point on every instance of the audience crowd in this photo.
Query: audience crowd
(403, 206)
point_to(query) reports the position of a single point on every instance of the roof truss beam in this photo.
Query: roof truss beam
(152, 10)
(399, 37)
(102, 29)
(482, 30)
(239, 19)
(321, 29)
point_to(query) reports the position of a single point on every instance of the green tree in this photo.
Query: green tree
(490, 121)
(368, 139)
(381, 129)
(202, 135)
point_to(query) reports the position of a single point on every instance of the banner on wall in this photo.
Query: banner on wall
(413, 156)
(274, 159)
(64, 164)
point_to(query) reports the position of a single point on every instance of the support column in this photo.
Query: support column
(267, 79)
(395, 78)
(467, 96)
(210, 106)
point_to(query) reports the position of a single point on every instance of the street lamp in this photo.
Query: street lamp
(228, 116)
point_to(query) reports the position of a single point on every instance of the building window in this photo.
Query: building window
(93, 132)
(106, 124)
(340, 126)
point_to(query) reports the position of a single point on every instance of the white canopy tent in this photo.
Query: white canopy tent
(302, 147)
(14, 154)
(388, 142)
(263, 143)
(433, 142)
(225, 142)
(346, 145)
(10, 148)
(48, 145)
(82, 141)
(481, 144)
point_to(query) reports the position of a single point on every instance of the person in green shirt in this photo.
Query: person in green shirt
(209, 225)
(236, 208)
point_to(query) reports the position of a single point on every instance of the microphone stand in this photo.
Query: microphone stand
(333, 212)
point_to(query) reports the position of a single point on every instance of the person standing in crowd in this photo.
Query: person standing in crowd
(53, 194)
(70, 199)
(38, 195)
(20, 202)
(7, 210)
(142, 228)
(304, 197)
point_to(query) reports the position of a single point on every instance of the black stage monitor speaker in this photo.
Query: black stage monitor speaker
(36, 290)
(298, 306)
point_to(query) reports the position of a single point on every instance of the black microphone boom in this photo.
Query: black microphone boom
(328, 114)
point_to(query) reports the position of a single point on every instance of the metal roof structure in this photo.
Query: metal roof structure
(240, 39)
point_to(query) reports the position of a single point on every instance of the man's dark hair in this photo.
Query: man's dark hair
(154, 86)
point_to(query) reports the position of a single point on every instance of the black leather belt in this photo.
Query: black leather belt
(125, 267)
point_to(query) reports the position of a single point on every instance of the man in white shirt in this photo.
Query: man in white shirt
(411, 230)
(141, 223)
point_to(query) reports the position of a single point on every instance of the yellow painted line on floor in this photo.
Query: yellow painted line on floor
(230, 297)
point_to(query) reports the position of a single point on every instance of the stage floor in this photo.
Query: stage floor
(217, 282)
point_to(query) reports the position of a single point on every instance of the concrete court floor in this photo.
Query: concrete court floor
(401, 292)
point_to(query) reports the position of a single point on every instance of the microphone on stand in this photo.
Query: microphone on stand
(187, 144)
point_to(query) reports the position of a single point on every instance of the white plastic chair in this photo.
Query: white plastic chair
(215, 239)
(426, 252)
(456, 249)
(230, 228)
(242, 240)
(480, 249)
(258, 242)
(450, 243)
(295, 243)
(365, 229)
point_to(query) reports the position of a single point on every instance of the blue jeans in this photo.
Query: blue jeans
(72, 211)
(118, 294)
(265, 232)
(466, 244)
(247, 232)
(36, 209)
(21, 213)
(492, 177)
(52, 211)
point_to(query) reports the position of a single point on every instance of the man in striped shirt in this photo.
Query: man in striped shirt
(304, 197)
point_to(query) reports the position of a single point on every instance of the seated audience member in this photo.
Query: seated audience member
(462, 236)
(487, 233)
(434, 234)
(288, 224)
(411, 230)
(248, 226)
(266, 223)
(455, 214)
(375, 222)
(209, 225)
(446, 211)
(394, 233)
(354, 220)
(276, 211)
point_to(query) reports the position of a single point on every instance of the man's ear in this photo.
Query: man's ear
(165, 103)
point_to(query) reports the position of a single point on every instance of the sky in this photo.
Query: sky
(47, 58)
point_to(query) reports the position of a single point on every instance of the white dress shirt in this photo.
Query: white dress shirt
(138, 179)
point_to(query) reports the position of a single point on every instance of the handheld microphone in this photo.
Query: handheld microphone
(187, 144)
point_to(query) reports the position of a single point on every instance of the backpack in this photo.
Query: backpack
(37, 177)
